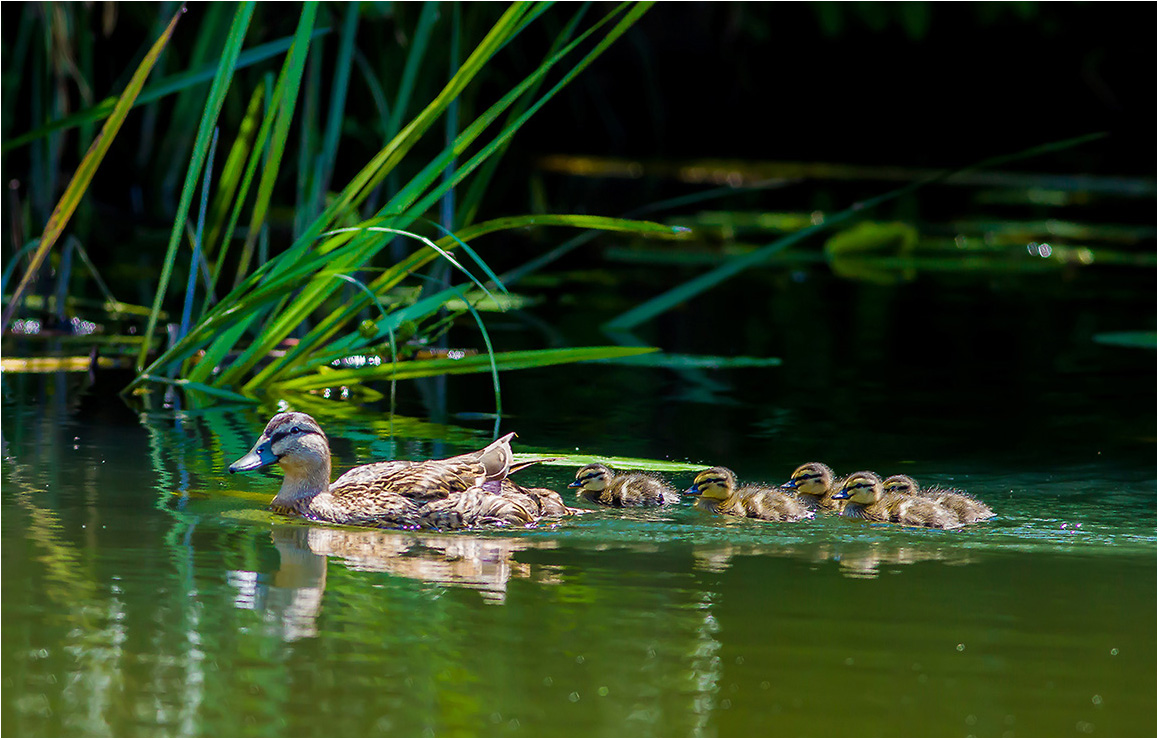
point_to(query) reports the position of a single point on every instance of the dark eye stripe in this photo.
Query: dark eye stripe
(280, 435)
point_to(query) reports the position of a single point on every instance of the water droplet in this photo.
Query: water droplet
(547, 681)
(961, 646)
(1096, 700)
(573, 697)
(1114, 651)
(603, 691)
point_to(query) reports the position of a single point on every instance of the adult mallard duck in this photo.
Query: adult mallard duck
(814, 485)
(966, 508)
(598, 484)
(717, 493)
(463, 491)
(865, 499)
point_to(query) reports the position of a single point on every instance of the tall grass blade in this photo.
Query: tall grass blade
(285, 104)
(157, 91)
(694, 287)
(519, 360)
(217, 92)
(88, 166)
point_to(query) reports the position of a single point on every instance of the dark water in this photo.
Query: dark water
(147, 592)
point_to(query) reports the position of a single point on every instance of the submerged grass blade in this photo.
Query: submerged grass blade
(694, 287)
(88, 166)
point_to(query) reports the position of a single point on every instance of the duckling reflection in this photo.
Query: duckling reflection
(967, 508)
(866, 500)
(854, 559)
(598, 484)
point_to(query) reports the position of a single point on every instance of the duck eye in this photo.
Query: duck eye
(295, 430)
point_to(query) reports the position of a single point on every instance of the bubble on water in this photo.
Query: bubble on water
(573, 697)
(1096, 700)
(961, 647)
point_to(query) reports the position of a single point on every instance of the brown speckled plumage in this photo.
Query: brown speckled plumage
(967, 508)
(600, 485)
(717, 493)
(463, 491)
(867, 500)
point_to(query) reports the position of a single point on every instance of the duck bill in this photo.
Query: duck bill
(574, 484)
(789, 484)
(840, 495)
(692, 491)
(259, 457)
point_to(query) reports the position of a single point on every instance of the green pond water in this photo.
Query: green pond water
(147, 592)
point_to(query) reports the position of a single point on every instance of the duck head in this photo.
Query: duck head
(863, 488)
(812, 478)
(294, 441)
(714, 483)
(902, 484)
(592, 478)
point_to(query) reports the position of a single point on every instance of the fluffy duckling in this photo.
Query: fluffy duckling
(814, 485)
(865, 499)
(966, 508)
(717, 493)
(462, 491)
(598, 484)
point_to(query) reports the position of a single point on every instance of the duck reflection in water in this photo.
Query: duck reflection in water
(291, 596)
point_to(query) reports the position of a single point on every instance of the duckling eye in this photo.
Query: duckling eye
(295, 430)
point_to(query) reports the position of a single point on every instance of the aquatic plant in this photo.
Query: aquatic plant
(333, 294)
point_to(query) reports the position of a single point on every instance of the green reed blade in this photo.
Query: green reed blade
(284, 105)
(519, 360)
(217, 92)
(337, 102)
(161, 89)
(470, 202)
(410, 71)
(694, 287)
(228, 183)
(632, 15)
(201, 388)
(84, 173)
(303, 307)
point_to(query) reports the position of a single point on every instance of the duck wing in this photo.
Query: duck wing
(473, 507)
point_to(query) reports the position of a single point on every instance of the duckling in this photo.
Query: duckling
(814, 485)
(717, 493)
(598, 484)
(966, 508)
(866, 500)
(462, 491)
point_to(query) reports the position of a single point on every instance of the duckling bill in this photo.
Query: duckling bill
(813, 484)
(463, 491)
(717, 493)
(600, 485)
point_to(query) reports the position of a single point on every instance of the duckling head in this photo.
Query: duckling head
(812, 478)
(294, 441)
(902, 484)
(863, 487)
(714, 483)
(593, 478)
